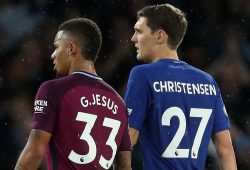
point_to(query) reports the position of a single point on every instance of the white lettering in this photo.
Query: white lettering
(181, 87)
(196, 88)
(104, 103)
(156, 88)
(39, 106)
(163, 86)
(170, 86)
(189, 90)
(184, 87)
(202, 88)
(178, 87)
(98, 100)
(41, 103)
(84, 101)
(212, 90)
(206, 89)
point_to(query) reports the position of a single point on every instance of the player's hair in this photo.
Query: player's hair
(87, 34)
(168, 18)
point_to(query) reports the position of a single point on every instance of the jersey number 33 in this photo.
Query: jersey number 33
(90, 156)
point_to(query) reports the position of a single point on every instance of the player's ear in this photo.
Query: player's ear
(161, 36)
(71, 48)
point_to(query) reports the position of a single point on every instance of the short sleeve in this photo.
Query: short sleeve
(221, 121)
(45, 108)
(125, 143)
(137, 98)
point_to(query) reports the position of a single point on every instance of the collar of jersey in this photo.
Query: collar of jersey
(169, 59)
(87, 74)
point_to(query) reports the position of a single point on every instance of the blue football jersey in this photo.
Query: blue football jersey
(176, 108)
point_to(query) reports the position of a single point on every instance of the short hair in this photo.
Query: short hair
(87, 33)
(167, 17)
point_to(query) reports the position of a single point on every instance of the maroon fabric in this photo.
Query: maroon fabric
(57, 104)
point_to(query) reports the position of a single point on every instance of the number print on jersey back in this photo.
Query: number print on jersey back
(91, 155)
(171, 150)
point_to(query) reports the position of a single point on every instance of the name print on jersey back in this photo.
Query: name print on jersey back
(90, 114)
(98, 114)
(183, 87)
(100, 100)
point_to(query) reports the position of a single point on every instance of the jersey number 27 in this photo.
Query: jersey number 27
(171, 150)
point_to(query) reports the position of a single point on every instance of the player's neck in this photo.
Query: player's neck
(83, 65)
(166, 54)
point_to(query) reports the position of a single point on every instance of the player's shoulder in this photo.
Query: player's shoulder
(154, 67)
(141, 69)
(54, 83)
(143, 66)
(201, 73)
(112, 90)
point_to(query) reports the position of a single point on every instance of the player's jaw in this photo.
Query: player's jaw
(54, 65)
(53, 57)
(137, 51)
(57, 67)
(139, 55)
(142, 54)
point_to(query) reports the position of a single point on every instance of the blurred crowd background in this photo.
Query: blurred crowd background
(217, 41)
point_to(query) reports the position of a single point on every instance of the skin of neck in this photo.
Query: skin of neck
(81, 64)
(162, 51)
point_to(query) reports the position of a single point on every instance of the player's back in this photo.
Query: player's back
(182, 113)
(88, 121)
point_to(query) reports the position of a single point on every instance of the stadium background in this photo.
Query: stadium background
(217, 41)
